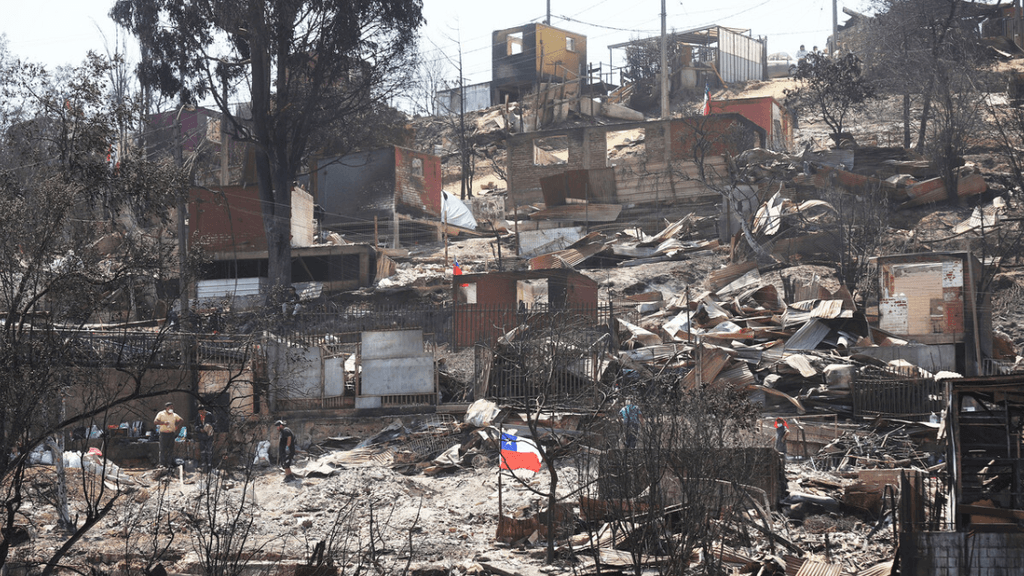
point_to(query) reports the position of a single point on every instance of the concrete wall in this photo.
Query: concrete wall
(646, 178)
(956, 553)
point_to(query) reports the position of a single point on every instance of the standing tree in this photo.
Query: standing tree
(833, 86)
(547, 367)
(81, 240)
(312, 69)
(934, 48)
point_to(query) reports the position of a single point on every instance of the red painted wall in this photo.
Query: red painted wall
(758, 111)
(226, 219)
(420, 194)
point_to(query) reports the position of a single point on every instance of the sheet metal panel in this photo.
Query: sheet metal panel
(334, 377)
(808, 336)
(391, 344)
(740, 57)
(397, 376)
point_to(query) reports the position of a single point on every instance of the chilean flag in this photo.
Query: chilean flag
(707, 100)
(519, 453)
(457, 271)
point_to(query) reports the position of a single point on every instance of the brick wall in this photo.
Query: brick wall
(957, 553)
(417, 190)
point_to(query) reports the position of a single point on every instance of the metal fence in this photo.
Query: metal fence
(892, 395)
(156, 349)
(924, 504)
(459, 325)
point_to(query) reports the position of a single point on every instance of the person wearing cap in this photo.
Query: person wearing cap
(167, 424)
(206, 425)
(286, 450)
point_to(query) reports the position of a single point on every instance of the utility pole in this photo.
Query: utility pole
(548, 20)
(664, 63)
(835, 28)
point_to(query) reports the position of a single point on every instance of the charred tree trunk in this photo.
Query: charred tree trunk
(275, 196)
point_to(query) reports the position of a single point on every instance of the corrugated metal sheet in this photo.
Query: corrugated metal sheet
(230, 287)
(571, 257)
(724, 276)
(738, 375)
(808, 336)
(815, 568)
(880, 569)
(740, 57)
(830, 309)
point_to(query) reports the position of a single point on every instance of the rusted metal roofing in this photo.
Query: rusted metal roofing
(573, 256)
(737, 375)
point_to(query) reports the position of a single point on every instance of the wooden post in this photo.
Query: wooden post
(376, 242)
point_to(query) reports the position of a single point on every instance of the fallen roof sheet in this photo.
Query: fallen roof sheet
(808, 336)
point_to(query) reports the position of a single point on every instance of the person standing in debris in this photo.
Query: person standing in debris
(167, 425)
(286, 450)
(801, 53)
(631, 419)
(206, 426)
(781, 431)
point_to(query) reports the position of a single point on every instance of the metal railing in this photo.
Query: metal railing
(924, 504)
(893, 396)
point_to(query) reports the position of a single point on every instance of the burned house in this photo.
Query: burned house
(227, 224)
(489, 305)
(931, 300)
(463, 99)
(968, 520)
(767, 113)
(526, 56)
(390, 195)
(670, 162)
(218, 158)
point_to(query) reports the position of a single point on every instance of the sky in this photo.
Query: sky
(59, 32)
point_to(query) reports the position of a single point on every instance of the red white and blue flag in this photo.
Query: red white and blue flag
(457, 271)
(519, 453)
(707, 100)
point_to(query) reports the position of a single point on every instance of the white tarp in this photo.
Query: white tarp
(455, 212)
